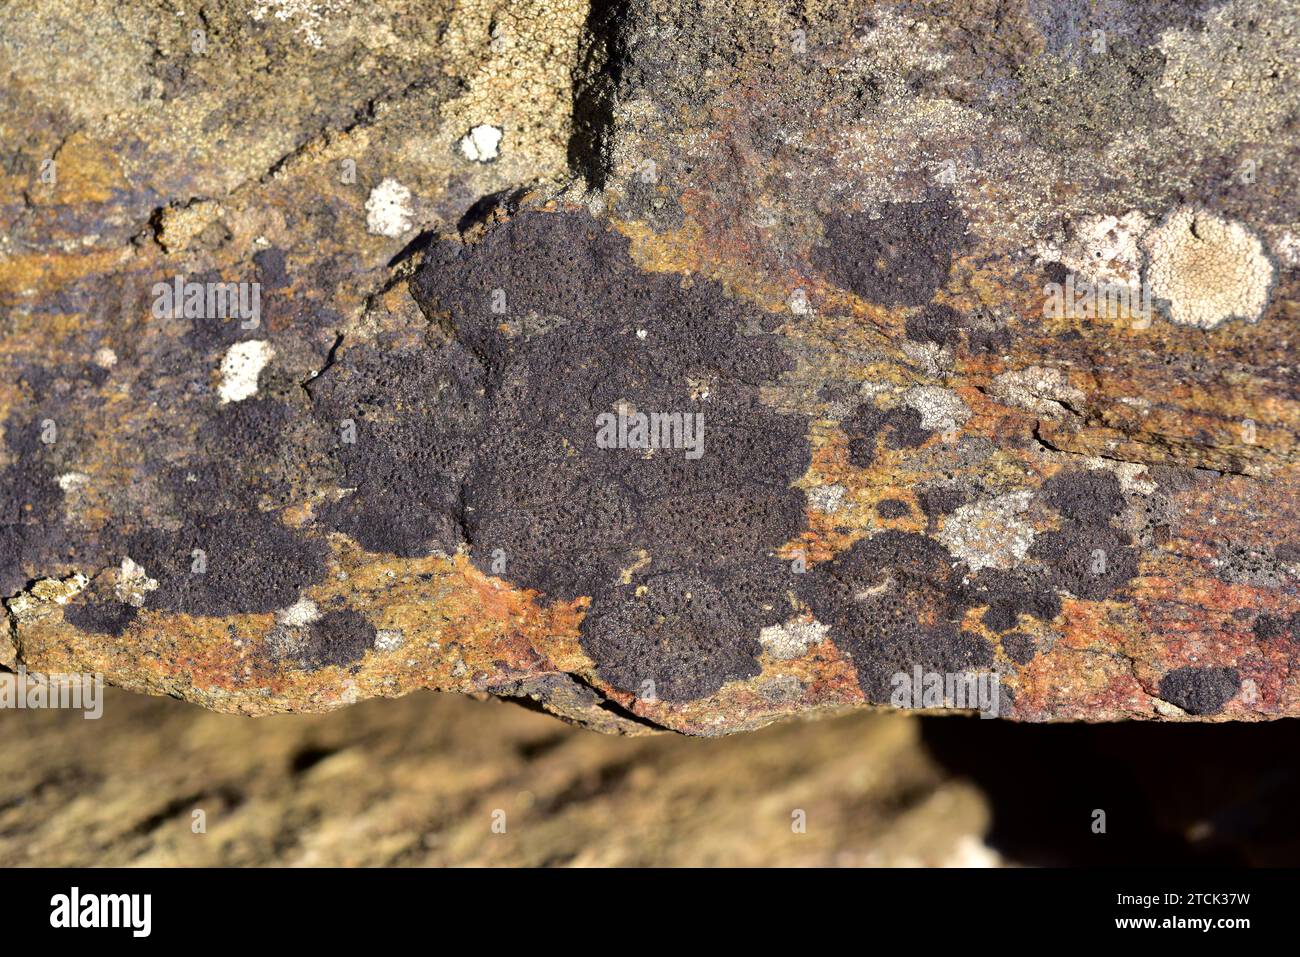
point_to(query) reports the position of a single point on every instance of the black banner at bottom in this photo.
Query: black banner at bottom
(653, 907)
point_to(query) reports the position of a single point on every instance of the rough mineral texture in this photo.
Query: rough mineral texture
(669, 365)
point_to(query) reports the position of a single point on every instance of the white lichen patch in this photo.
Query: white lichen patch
(990, 533)
(105, 358)
(133, 583)
(286, 642)
(1041, 390)
(1207, 269)
(933, 359)
(389, 639)
(1287, 249)
(1105, 250)
(826, 498)
(240, 367)
(896, 48)
(791, 639)
(308, 17)
(71, 481)
(388, 210)
(298, 615)
(482, 144)
(942, 410)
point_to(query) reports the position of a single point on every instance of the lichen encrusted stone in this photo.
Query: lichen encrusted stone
(675, 366)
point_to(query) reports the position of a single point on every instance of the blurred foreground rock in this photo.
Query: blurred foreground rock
(423, 781)
(673, 366)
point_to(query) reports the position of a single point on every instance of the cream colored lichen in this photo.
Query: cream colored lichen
(309, 18)
(826, 498)
(1103, 249)
(388, 209)
(240, 368)
(298, 615)
(990, 533)
(791, 639)
(1207, 269)
(941, 410)
(133, 583)
(481, 144)
(47, 593)
(520, 59)
(1040, 389)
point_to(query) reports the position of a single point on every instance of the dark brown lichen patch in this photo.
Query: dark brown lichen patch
(1092, 497)
(900, 425)
(894, 602)
(100, 617)
(935, 323)
(893, 508)
(940, 500)
(1273, 628)
(946, 327)
(403, 428)
(1019, 647)
(572, 335)
(261, 452)
(1010, 594)
(1089, 562)
(1087, 556)
(228, 563)
(44, 440)
(675, 637)
(1200, 691)
(337, 638)
(30, 504)
(899, 258)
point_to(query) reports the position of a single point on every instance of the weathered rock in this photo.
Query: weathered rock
(977, 334)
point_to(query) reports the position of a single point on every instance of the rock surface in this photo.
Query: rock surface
(969, 331)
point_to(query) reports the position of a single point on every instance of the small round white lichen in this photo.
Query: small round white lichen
(482, 143)
(1207, 269)
(240, 367)
(388, 210)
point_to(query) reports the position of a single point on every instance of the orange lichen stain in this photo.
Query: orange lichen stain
(88, 171)
(40, 275)
(826, 535)
(460, 630)
(298, 515)
(730, 254)
(160, 653)
(975, 280)
(1205, 619)
(677, 250)
(1088, 673)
